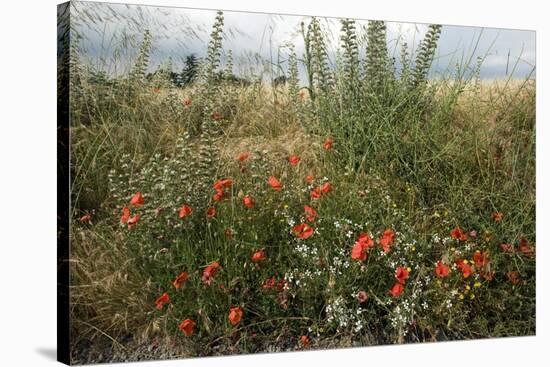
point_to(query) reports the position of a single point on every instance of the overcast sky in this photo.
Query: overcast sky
(112, 33)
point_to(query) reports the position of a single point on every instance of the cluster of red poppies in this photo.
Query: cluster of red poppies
(187, 326)
(221, 188)
(401, 276)
(360, 251)
(364, 243)
(480, 262)
(136, 201)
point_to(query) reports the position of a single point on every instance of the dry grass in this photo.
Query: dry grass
(105, 294)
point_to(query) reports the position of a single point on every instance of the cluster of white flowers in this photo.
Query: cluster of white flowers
(344, 317)
(291, 222)
(339, 262)
(339, 222)
(400, 316)
(306, 251)
(418, 288)
(299, 277)
(409, 246)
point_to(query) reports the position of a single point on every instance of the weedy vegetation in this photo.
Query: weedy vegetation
(372, 204)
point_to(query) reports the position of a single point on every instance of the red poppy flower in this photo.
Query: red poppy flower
(481, 259)
(327, 145)
(187, 102)
(326, 188)
(185, 211)
(365, 239)
(464, 267)
(125, 215)
(311, 213)
(235, 315)
(218, 196)
(304, 340)
(506, 247)
(316, 193)
(224, 183)
(216, 116)
(309, 178)
(362, 296)
(525, 248)
(273, 182)
(401, 274)
(513, 277)
(303, 230)
(86, 218)
(386, 239)
(227, 183)
(162, 300)
(258, 256)
(396, 290)
(361, 247)
(441, 270)
(243, 156)
(458, 234)
(466, 271)
(293, 160)
(211, 212)
(359, 252)
(218, 186)
(182, 278)
(137, 199)
(497, 216)
(187, 326)
(388, 232)
(209, 272)
(269, 283)
(132, 222)
(248, 201)
(228, 233)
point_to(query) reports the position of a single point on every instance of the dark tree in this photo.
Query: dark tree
(280, 80)
(190, 70)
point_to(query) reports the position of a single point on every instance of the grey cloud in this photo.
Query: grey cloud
(256, 38)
